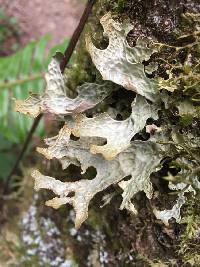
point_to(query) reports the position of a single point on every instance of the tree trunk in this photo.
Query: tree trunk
(113, 237)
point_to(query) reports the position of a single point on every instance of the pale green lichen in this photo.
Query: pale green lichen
(110, 172)
(118, 134)
(122, 155)
(55, 99)
(121, 63)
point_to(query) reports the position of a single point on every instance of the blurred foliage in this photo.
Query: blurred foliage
(20, 73)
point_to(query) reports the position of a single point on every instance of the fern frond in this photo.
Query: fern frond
(21, 73)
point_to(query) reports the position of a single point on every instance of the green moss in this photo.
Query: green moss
(82, 69)
(115, 5)
(180, 60)
(189, 247)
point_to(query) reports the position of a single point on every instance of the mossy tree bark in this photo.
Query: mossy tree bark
(142, 240)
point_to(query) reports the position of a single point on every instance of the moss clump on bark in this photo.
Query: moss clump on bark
(189, 246)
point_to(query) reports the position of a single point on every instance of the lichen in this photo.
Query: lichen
(55, 99)
(118, 134)
(119, 148)
(121, 63)
(108, 173)
(122, 158)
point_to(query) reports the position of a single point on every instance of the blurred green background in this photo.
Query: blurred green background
(21, 71)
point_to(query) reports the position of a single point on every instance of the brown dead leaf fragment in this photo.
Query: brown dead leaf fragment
(121, 63)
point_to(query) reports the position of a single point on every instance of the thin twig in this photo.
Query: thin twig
(25, 146)
(67, 55)
(76, 35)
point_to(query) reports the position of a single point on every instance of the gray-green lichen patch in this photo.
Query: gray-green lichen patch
(123, 157)
(55, 99)
(118, 134)
(121, 63)
(108, 172)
